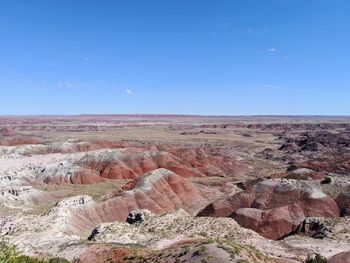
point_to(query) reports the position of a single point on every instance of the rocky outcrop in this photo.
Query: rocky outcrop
(319, 141)
(343, 201)
(313, 227)
(23, 197)
(137, 216)
(329, 163)
(305, 174)
(159, 191)
(324, 152)
(274, 208)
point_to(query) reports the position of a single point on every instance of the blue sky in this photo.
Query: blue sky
(227, 57)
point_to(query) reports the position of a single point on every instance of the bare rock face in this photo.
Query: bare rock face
(159, 191)
(225, 206)
(343, 201)
(305, 174)
(343, 257)
(313, 227)
(274, 208)
(131, 163)
(23, 197)
(74, 213)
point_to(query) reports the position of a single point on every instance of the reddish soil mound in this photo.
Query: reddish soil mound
(210, 161)
(130, 163)
(343, 201)
(18, 141)
(330, 164)
(159, 191)
(343, 257)
(301, 174)
(104, 253)
(274, 208)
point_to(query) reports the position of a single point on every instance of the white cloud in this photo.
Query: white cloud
(75, 83)
(128, 91)
(270, 87)
(272, 49)
(69, 84)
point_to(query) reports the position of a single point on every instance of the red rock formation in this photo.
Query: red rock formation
(210, 161)
(105, 253)
(305, 174)
(330, 163)
(274, 208)
(18, 141)
(343, 201)
(159, 191)
(324, 152)
(272, 223)
(131, 162)
(343, 257)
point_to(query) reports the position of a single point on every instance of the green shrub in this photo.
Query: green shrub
(9, 254)
(326, 180)
(317, 259)
(202, 249)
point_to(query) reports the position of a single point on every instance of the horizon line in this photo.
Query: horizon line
(170, 115)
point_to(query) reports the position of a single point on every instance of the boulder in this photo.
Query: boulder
(313, 227)
(137, 216)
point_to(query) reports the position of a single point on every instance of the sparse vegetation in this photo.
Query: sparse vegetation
(202, 249)
(186, 249)
(8, 254)
(326, 180)
(317, 259)
(203, 234)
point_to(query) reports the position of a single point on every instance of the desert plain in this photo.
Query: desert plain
(173, 188)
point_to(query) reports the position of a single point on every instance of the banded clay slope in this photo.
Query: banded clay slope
(130, 163)
(64, 147)
(274, 208)
(179, 228)
(203, 251)
(66, 178)
(166, 237)
(160, 191)
(26, 169)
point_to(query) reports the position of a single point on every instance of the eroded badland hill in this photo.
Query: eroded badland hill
(138, 188)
